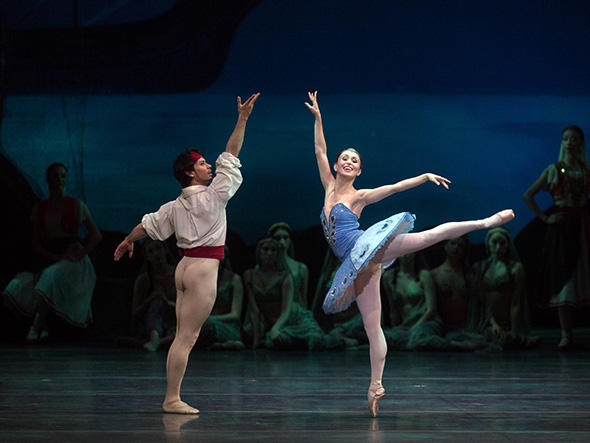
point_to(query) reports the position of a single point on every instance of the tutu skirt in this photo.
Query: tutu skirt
(341, 294)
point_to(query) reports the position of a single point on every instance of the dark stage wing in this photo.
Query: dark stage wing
(181, 50)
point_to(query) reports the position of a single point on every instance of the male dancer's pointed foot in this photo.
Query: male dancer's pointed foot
(499, 218)
(178, 407)
(376, 393)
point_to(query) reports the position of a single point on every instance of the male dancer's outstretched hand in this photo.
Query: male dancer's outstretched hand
(236, 139)
(245, 109)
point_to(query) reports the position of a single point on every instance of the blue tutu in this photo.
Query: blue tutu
(355, 247)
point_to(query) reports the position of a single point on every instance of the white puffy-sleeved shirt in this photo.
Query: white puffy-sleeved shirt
(197, 216)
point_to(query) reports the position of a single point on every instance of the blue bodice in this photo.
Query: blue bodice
(341, 229)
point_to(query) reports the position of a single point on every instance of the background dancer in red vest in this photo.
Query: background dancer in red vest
(62, 277)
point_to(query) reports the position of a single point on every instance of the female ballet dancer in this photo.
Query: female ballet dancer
(364, 253)
(197, 218)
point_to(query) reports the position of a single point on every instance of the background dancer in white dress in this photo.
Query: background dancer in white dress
(197, 218)
(363, 253)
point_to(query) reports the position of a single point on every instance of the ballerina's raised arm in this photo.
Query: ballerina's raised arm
(321, 150)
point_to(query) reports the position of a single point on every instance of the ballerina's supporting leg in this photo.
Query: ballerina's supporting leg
(415, 241)
(196, 281)
(369, 303)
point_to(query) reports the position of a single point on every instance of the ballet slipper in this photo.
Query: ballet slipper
(376, 392)
(565, 343)
(154, 343)
(150, 347)
(179, 407)
(32, 336)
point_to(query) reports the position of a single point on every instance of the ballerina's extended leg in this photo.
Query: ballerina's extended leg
(415, 241)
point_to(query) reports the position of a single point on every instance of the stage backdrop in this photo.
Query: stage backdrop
(476, 93)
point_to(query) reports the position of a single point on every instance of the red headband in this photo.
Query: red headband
(196, 156)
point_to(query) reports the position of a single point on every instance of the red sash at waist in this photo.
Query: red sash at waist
(203, 252)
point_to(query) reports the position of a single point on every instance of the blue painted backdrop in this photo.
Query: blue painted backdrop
(475, 92)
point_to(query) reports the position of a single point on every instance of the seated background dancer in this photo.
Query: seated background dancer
(154, 297)
(500, 286)
(281, 232)
(274, 319)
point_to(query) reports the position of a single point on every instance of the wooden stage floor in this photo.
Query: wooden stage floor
(101, 394)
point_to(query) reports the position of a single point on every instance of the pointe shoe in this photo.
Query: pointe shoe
(376, 392)
(499, 218)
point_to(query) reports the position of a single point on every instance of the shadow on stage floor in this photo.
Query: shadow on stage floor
(96, 394)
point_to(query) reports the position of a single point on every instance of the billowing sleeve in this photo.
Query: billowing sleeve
(159, 225)
(228, 177)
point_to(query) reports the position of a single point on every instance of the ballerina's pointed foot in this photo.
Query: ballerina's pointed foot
(499, 218)
(376, 393)
(179, 407)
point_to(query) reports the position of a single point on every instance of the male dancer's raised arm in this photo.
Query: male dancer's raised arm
(236, 139)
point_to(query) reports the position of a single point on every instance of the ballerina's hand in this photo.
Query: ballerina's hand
(438, 180)
(245, 109)
(123, 247)
(314, 108)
